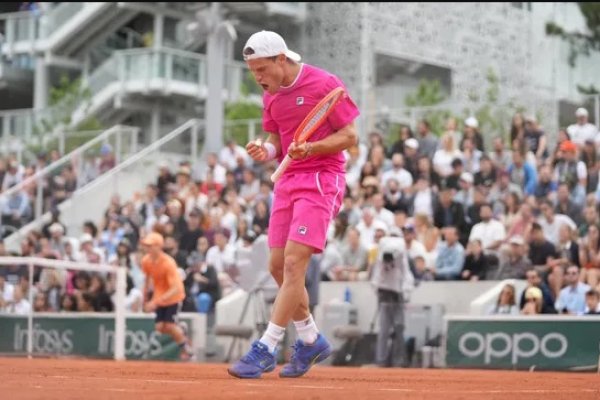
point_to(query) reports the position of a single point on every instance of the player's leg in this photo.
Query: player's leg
(276, 268)
(320, 201)
(261, 357)
(171, 327)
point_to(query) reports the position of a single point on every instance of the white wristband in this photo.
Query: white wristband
(271, 151)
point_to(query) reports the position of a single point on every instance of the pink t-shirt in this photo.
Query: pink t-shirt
(284, 111)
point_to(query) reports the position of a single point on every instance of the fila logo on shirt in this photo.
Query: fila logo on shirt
(302, 230)
(299, 101)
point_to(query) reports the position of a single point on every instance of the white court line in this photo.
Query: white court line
(405, 390)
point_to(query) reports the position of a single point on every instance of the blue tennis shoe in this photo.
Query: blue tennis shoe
(254, 363)
(305, 356)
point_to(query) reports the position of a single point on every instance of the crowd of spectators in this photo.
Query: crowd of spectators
(526, 208)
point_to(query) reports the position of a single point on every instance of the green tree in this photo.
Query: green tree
(429, 93)
(238, 112)
(64, 99)
(581, 43)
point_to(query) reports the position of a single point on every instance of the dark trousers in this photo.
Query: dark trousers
(390, 349)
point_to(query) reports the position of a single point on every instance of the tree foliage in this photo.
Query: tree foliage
(581, 43)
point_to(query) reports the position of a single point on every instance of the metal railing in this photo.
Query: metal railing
(80, 159)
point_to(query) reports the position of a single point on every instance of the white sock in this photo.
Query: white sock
(307, 330)
(273, 335)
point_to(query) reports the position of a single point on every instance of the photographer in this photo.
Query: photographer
(394, 281)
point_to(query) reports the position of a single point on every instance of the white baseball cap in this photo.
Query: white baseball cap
(472, 122)
(581, 112)
(467, 177)
(412, 143)
(267, 44)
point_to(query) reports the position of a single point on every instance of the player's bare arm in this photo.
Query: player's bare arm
(334, 143)
(259, 150)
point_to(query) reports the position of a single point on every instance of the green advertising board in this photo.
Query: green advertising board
(542, 342)
(92, 335)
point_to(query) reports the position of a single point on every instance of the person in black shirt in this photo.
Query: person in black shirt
(541, 251)
(189, 239)
(476, 263)
(486, 176)
(450, 213)
(534, 279)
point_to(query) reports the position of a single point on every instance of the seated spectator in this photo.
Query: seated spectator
(535, 138)
(533, 301)
(571, 299)
(489, 232)
(16, 211)
(68, 303)
(522, 173)
(476, 263)
(582, 130)
(592, 302)
(590, 217)
(551, 222)
(500, 156)
(534, 280)
(443, 157)
(506, 303)
(514, 264)
(6, 292)
(451, 256)
(354, 258)
(572, 172)
(546, 187)
(541, 251)
(471, 156)
(450, 213)
(589, 255)
(402, 176)
(566, 206)
(486, 176)
(394, 198)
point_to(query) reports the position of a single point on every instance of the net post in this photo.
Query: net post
(120, 326)
(30, 314)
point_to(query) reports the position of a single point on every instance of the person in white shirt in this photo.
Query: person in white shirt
(551, 222)
(443, 157)
(490, 232)
(382, 213)
(222, 255)
(6, 293)
(229, 154)
(368, 226)
(19, 305)
(582, 130)
(398, 172)
(218, 171)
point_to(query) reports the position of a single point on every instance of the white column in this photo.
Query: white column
(159, 24)
(366, 59)
(215, 55)
(155, 123)
(40, 88)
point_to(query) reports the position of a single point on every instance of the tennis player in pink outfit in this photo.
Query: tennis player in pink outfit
(307, 196)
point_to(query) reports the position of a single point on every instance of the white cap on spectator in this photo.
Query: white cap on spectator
(412, 143)
(56, 227)
(581, 112)
(86, 238)
(395, 231)
(467, 177)
(517, 240)
(268, 44)
(380, 225)
(472, 122)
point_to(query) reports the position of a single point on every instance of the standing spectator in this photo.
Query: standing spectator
(571, 299)
(572, 172)
(522, 173)
(582, 130)
(428, 143)
(394, 282)
(506, 303)
(500, 156)
(535, 138)
(472, 133)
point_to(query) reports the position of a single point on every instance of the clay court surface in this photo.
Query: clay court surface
(51, 379)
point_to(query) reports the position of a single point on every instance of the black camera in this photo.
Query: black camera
(388, 257)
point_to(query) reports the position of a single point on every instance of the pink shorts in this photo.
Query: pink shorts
(303, 206)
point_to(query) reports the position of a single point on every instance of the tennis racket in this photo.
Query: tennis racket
(310, 124)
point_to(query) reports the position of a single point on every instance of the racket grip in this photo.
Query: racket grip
(281, 169)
